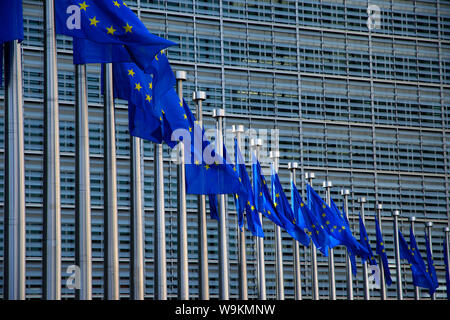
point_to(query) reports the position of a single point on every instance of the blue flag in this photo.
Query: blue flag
(106, 31)
(364, 240)
(310, 223)
(382, 253)
(351, 254)
(263, 199)
(285, 213)
(246, 203)
(213, 212)
(431, 269)
(11, 26)
(447, 271)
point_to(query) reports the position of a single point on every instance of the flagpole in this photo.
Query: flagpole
(429, 225)
(137, 221)
(416, 288)
(223, 248)
(83, 244)
(52, 193)
(362, 200)
(346, 193)
(243, 288)
(160, 226)
(14, 200)
(183, 268)
(275, 155)
(257, 143)
(331, 275)
(395, 214)
(292, 166)
(315, 278)
(199, 97)
(111, 242)
(380, 261)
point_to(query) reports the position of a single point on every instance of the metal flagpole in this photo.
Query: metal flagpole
(83, 244)
(14, 201)
(315, 278)
(137, 221)
(160, 226)
(346, 193)
(111, 241)
(257, 143)
(223, 248)
(199, 97)
(52, 193)
(183, 271)
(243, 289)
(275, 155)
(362, 200)
(331, 275)
(395, 214)
(292, 166)
(416, 288)
(382, 278)
(429, 225)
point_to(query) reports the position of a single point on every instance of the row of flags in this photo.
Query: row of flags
(109, 32)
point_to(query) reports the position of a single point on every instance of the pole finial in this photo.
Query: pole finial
(181, 75)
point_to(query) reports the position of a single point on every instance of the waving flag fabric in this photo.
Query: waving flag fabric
(447, 271)
(364, 240)
(430, 266)
(381, 251)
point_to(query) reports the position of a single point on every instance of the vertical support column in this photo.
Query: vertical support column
(275, 155)
(14, 200)
(429, 226)
(315, 277)
(52, 193)
(223, 243)
(362, 200)
(416, 288)
(396, 214)
(292, 166)
(345, 193)
(83, 244)
(243, 287)
(111, 241)
(137, 221)
(380, 262)
(257, 143)
(183, 270)
(199, 97)
(331, 275)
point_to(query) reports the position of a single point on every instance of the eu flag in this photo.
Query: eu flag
(431, 270)
(11, 26)
(351, 254)
(246, 203)
(310, 223)
(381, 251)
(213, 212)
(447, 271)
(364, 240)
(117, 31)
(285, 212)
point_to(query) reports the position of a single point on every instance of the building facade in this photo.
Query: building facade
(368, 109)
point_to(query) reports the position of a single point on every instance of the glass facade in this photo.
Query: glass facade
(367, 110)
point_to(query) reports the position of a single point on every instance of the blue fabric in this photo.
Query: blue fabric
(246, 203)
(382, 253)
(351, 254)
(364, 240)
(285, 213)
(213, 211)
(310, 223)
(447, 271)
(430, 264)
(108, 31)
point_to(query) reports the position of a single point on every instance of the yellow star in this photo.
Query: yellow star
(302, 204)
(83, 6)
(237, 197)
(138, 87)
(323, 215)
(148, 98)
(131, 72)
(117, 4)
(268, 212)
(327, 222)
(150, 85)
(94, 21)
(234, 168)
(381, 243)
(190, 129)
(207, 166)
(343, 228)
(197, 162)
(128, 28)
(125, 4)
(111, 30)
(277, 195)
(275, 204)
(323, 206)
(253, 208)
(185, 116)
